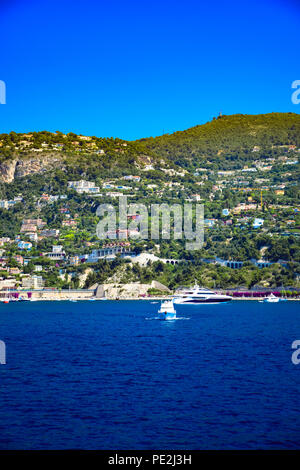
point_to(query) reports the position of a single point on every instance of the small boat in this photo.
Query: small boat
(167, 311)
(5, 300)
(272, 298)
(72, 300)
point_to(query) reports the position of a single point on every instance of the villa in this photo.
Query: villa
(83, 186)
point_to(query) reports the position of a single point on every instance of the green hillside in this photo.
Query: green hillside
(244, 169)
(228, 139)
(224, 142)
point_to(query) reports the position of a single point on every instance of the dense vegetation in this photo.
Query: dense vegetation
(228, 141)
(232, 143)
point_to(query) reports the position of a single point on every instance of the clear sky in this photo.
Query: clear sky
(136, 68)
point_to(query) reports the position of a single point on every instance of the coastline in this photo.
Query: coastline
(111, 295)
(71, 298)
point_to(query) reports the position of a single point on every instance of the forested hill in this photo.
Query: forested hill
(227, 138)
(224, 142)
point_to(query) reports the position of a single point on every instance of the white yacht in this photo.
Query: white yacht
(272, 298)
(167, 310)
(199, 295)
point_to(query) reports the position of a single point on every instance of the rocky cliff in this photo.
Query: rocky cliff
(11, 169)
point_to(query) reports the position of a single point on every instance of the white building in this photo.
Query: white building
(57, 253)
(83, 186)
(32, 282)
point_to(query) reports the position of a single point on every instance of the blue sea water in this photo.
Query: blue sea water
(107, 375)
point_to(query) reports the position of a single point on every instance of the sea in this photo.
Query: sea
(111, 375)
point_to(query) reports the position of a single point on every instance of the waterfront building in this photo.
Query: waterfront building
(9, 283)
(32, 282)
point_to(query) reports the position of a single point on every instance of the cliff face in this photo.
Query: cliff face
(11, 169)
(7, 170)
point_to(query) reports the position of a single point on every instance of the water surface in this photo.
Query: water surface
(106, 375)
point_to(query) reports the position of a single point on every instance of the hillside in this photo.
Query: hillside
(224, 142)
(228, 139)
(244, 169)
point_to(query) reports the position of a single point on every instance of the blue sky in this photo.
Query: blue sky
(133, 69)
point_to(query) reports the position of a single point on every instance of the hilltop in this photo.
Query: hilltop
(230, 138)
(224, 142)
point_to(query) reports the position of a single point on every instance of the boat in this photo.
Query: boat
(272, 298)
(167, 310)
(5, 300)
(199, 295)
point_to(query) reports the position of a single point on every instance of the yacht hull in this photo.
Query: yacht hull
(201, 301)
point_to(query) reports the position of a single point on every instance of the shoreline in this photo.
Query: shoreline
(152, 299)
(90, 295)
